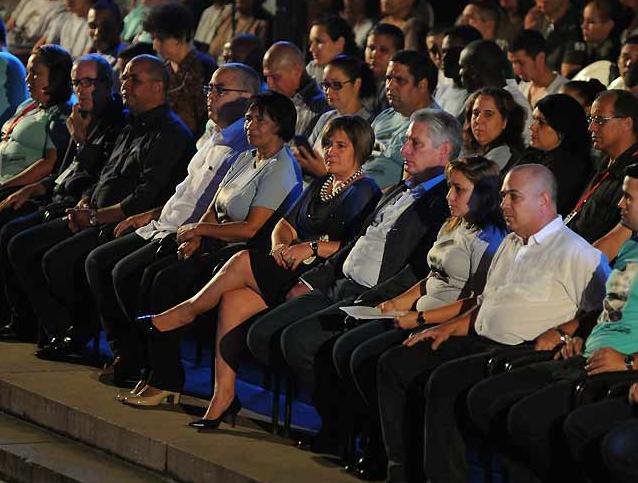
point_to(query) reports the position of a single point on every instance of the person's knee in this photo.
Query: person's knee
(292, 346)
(478, 405)
(619, 449)
(522, 426)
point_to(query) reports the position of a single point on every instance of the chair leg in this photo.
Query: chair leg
(276, 393)
(288, 407)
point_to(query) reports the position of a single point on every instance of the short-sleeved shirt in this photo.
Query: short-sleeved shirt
(534, 286)
(250, 183)
(458, 261)
(617, 325)
(30, 138)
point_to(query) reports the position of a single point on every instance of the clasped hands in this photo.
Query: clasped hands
(290, 256)
(188, 240)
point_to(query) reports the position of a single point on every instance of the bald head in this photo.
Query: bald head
(144, 83)
(284, 68)
(283, 54)
(539, 177)
(529, 199)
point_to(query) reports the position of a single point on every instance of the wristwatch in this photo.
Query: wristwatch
(420, 320)
(93, 217)
(629, 362)
(314, 246)
(565, 338)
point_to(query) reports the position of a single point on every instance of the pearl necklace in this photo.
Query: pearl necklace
(337, 187)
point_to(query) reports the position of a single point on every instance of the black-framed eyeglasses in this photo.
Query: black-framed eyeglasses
(84, 82)
(219, 90)
(334, 85)
(602, 120)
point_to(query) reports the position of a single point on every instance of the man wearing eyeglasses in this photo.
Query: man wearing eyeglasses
(613, 125)
(153, 238)
(94, 124)
(147, 160)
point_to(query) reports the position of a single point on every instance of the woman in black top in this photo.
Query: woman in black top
(560, 141)
(328, 214)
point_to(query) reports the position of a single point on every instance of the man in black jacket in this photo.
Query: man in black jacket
(149, 158)
(614, 129)
(390, 251)
(94, 124)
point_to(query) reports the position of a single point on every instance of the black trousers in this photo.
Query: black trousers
(526, 408)
(48, 259)
(294, 332)
(596, 431)
(116, 318)
(402, 374)
(12, 297)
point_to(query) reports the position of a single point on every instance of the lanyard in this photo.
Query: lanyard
(590, 192)
(14, 122)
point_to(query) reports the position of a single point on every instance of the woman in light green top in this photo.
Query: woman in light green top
(32, 139)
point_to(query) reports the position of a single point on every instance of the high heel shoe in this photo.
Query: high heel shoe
(231, 411)
(169, 397)
(139, 387)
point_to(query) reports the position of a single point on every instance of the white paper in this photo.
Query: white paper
(364, 313)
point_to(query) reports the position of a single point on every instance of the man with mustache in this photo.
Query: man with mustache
(614, 131)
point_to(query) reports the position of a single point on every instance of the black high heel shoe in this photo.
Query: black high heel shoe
(231, 411)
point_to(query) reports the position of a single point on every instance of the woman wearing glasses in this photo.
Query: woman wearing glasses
(328, 214)
(560, 141)
(347, 83)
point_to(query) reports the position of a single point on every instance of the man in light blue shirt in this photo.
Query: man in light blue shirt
(13, 88)
(410, 81)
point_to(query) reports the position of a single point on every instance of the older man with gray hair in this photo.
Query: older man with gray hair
(389, 250)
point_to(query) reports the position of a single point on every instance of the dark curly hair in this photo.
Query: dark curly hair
(279, 108)
(485, 202)
(512, 112)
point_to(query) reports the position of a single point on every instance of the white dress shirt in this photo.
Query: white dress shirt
(533, 287)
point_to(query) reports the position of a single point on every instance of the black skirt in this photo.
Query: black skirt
(273, 281)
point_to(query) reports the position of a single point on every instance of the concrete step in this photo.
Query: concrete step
(29, 453)
(69, 400)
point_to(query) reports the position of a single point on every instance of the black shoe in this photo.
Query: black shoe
(8, 332)
(371, 469)
(231, 411)
(60, 349)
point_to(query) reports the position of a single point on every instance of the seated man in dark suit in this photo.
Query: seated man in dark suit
(390, 249)
(94, 124)
(149, 158)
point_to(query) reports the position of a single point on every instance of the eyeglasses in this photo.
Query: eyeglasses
(334, 85)
(601, 120)
(219, 89)
(84, 82)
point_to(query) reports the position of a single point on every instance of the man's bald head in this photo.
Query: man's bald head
(540, 177)
(153, 66)
(284, 68)
(144, 83)
(529, 199)
(282, 55)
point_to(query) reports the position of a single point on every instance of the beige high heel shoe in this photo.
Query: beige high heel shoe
(169, 397)
(139, 387)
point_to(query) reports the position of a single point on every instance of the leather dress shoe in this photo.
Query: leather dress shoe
(8, 332)
(59, 349)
